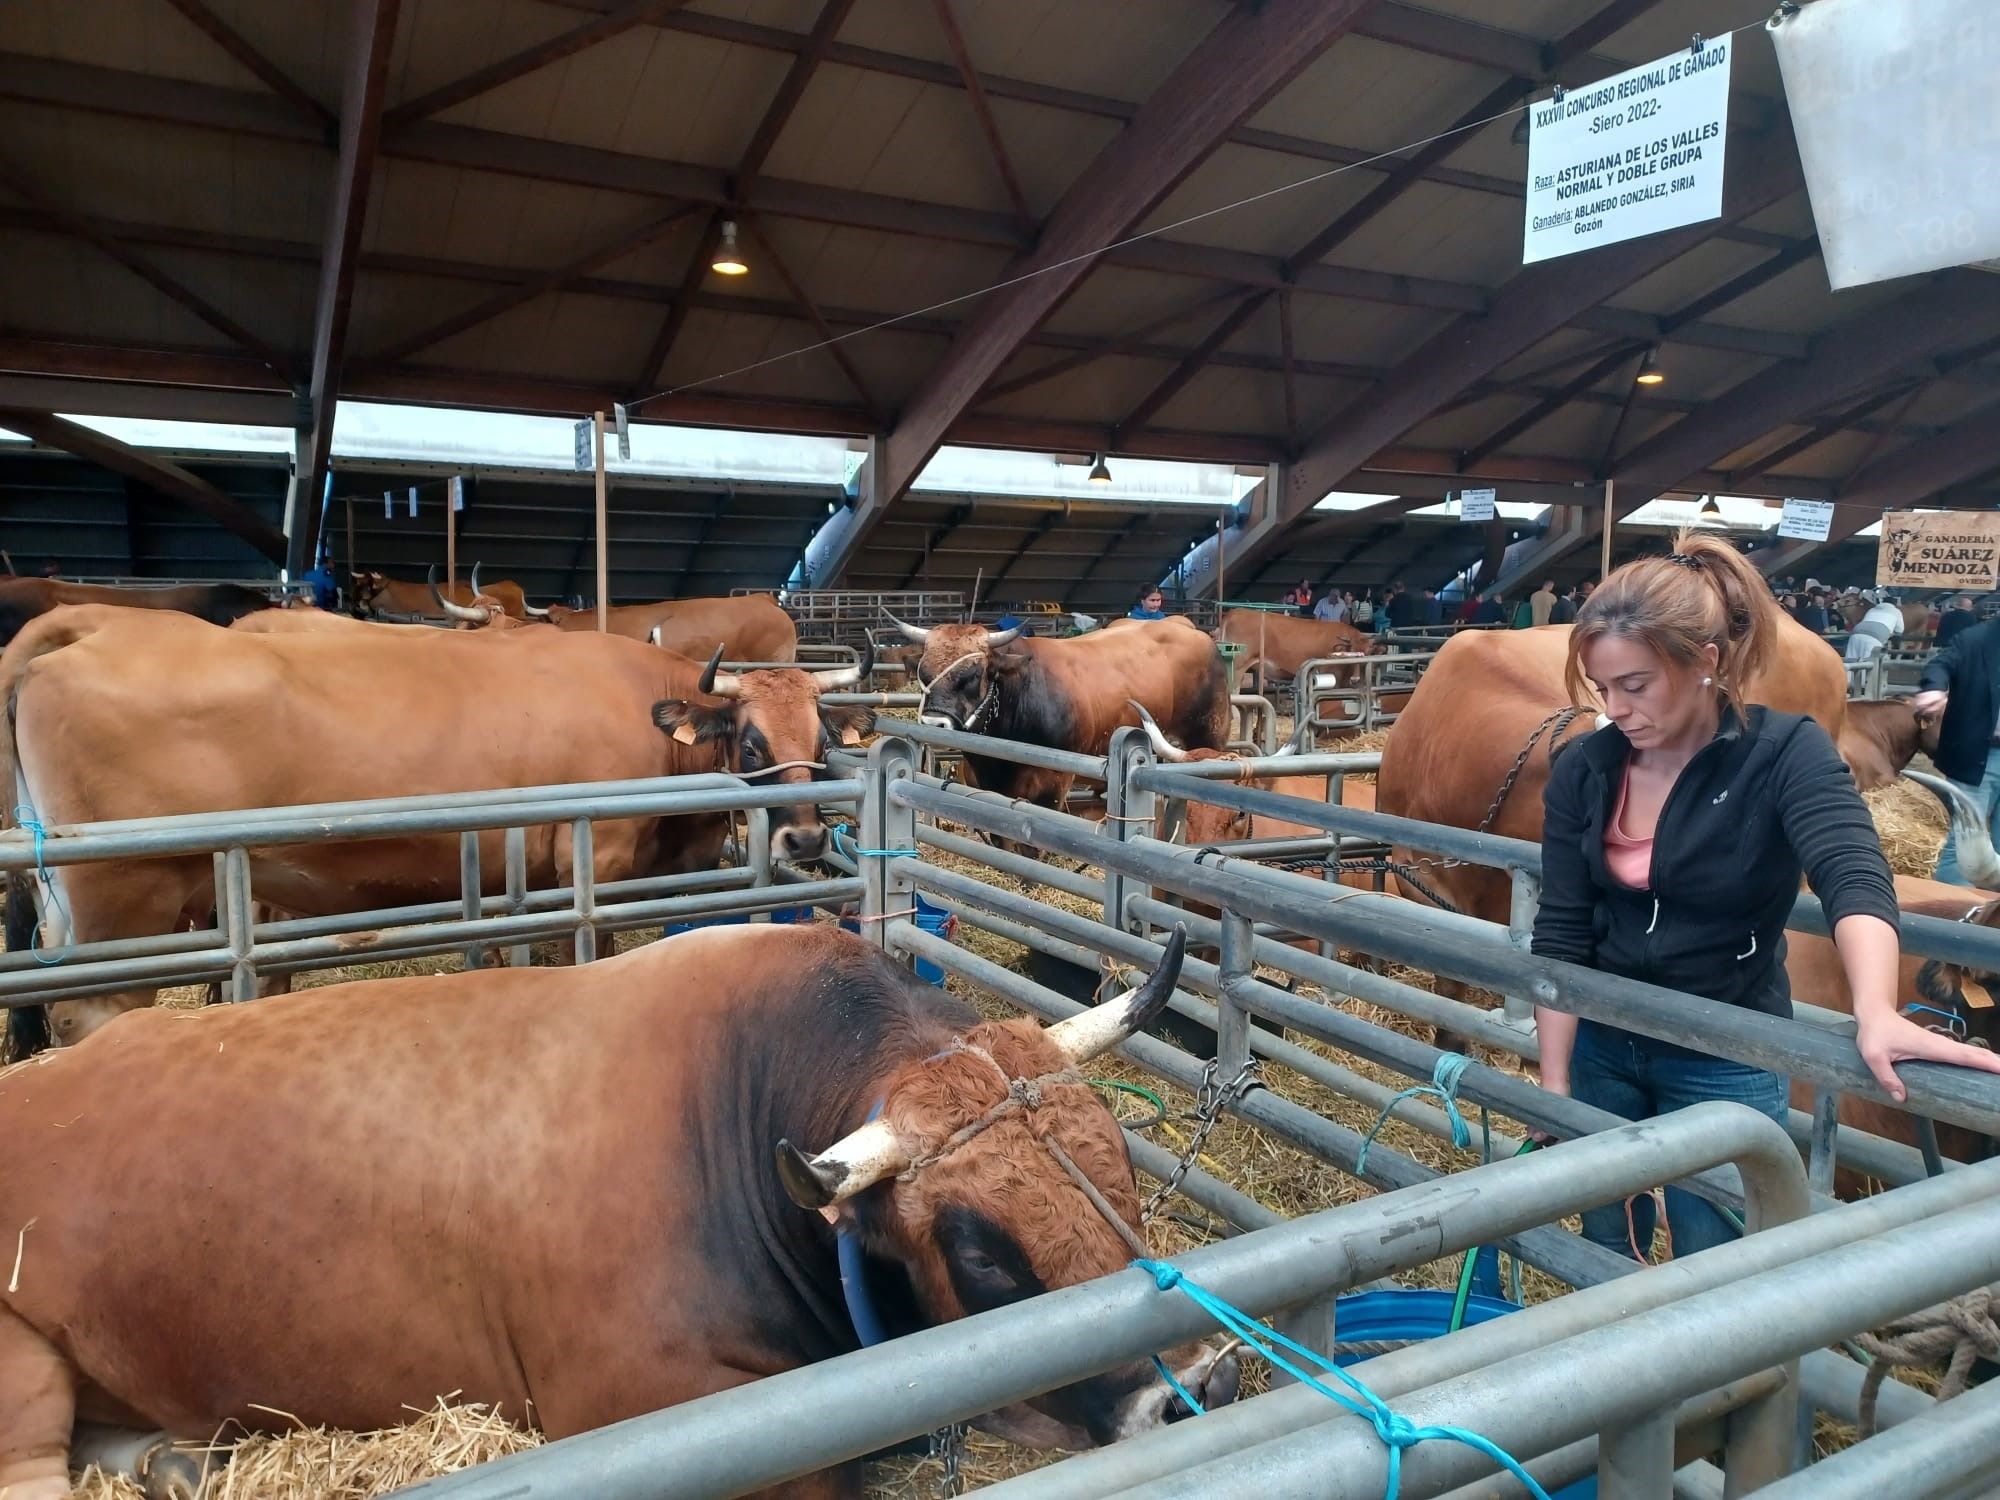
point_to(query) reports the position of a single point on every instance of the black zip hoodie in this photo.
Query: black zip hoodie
(1764, 801)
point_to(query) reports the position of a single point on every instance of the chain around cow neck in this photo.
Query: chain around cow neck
(985, 705)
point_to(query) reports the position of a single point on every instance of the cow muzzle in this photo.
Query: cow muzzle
(799, 842)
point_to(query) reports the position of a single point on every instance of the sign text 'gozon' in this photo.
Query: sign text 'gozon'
(1633, 155)
(1939, 549)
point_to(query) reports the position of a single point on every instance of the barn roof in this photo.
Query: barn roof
(223, 209)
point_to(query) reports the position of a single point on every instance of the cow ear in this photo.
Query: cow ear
(846, 726)
(693, 724)
(1008, 659)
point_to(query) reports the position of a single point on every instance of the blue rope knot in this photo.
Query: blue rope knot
(1396, 1431)
(1443, 1087)
(24, 818)
(843, 843)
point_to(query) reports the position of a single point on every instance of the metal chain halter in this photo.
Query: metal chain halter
(1209, 1102)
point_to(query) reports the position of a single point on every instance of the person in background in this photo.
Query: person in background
(1812, 614)
(52, 569)
(1958, 617)
(1491, 610)
(1960, 683)
(1542, 603)
(1151, 606)
(1433, 609)
(1363, 611)
(1301, 598)
(1673, 843)
(1789, 603)
(1468, 610)
(1331, 607)
(1874, 630)
(1564, 612)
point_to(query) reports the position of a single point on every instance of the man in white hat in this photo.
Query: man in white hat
(1874, 630)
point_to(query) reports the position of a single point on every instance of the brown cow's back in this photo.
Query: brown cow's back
(484, 1186)
(1168, 665)
(748, 627)
(1285, 643)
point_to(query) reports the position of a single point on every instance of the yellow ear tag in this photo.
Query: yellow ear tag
(1976, 994)
(850, 736)
(684, 732)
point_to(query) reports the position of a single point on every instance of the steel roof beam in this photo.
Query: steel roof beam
(982, 111)
(1238, 66)
(165, 479)
(354, 171)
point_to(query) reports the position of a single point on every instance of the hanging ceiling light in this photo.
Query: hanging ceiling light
(1709, 507)
(1650, 372)
(728, 259)
(1100, 472)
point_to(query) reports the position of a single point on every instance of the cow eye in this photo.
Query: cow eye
(983, 1267)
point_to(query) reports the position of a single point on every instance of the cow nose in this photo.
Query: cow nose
(802, 842)
(936, 721)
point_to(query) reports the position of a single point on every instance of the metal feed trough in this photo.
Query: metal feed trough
(1569, 1386)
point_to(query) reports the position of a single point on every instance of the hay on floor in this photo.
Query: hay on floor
(1912, 826)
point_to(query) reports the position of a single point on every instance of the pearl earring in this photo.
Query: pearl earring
(1708, 682)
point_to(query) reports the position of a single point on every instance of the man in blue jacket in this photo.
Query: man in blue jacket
(1963, 683)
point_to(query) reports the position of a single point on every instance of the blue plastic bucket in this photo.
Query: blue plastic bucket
(1367, 1317)
(784, 914)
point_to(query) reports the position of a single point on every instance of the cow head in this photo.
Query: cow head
(1978, 861)
(979, 1218)
(1206, 823)
(484, 613)
(773, 726)
(554, 614)
(1959, 998)
(961, 672)
(366, 588)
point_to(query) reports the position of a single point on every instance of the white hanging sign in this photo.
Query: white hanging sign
(1476, 505)
(585, 456)
(388, 505)
(457, 489)
(413, 499)
(1634, 155)
(623, 420)
(1806, 520)
(1892, 103)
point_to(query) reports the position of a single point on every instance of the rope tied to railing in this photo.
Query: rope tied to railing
(1443, 1087)
(1954, 1334)
(844, 844)
(1397, 1432)
(27, 822)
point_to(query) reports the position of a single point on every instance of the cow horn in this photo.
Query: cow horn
(1163, 747)
(917, 633)
(843, 677)
(1978, 861)
(1103, 1027)
(456, 611)
(533, 613)
(1003, 637)
(718, 684)
(850, 1165)
(653, 639)
(475, 581)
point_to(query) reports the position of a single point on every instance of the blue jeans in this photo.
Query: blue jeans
(1987, 795)
(1639, 1078)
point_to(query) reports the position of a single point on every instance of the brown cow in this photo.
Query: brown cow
(1275, 646)
(119, 717)
(1068, 694)
(324, 1239)
(1881, 736)
(1488, 693)
(379, 595)
(746, 627)
(22, 599)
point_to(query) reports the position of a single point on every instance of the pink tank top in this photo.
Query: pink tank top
(1629, 860)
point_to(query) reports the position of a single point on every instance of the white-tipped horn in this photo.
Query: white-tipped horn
(1103, 1027)
(1002, 637)
(653, 636)
(475, 581)
(533, 613)
(917, 633)
(1163, 747)
(455, 611)
(1971, 839)
(837, 677)
(849, 1166)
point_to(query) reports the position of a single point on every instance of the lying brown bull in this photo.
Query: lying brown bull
(378, 595)
(116, 716)
(1275, 646)
(747, 627)
(340, 1228)
(22, 599)
(1068, 694)
(1471, 748)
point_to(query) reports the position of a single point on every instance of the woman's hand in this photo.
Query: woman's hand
(1886, 1040)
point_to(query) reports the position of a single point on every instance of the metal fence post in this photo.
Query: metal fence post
(238, 920)
(520, 955)
(888, 900)
(1635, 1460)
(1232, 1021)
(1825, 1141)
(1308, 1323)
(1761, 1438)
(1126, 808)
(583, 881)
(1525, 892)
(470, 888)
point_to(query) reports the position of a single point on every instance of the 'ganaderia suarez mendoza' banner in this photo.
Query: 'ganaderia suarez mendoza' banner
(1939, 549)
(1635, 154)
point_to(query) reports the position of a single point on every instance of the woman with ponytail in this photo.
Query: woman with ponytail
(1672, 846)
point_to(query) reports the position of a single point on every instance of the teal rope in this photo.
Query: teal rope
(24, 817)
(1396, 1432)
(844, 844)
(1443, 1087)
